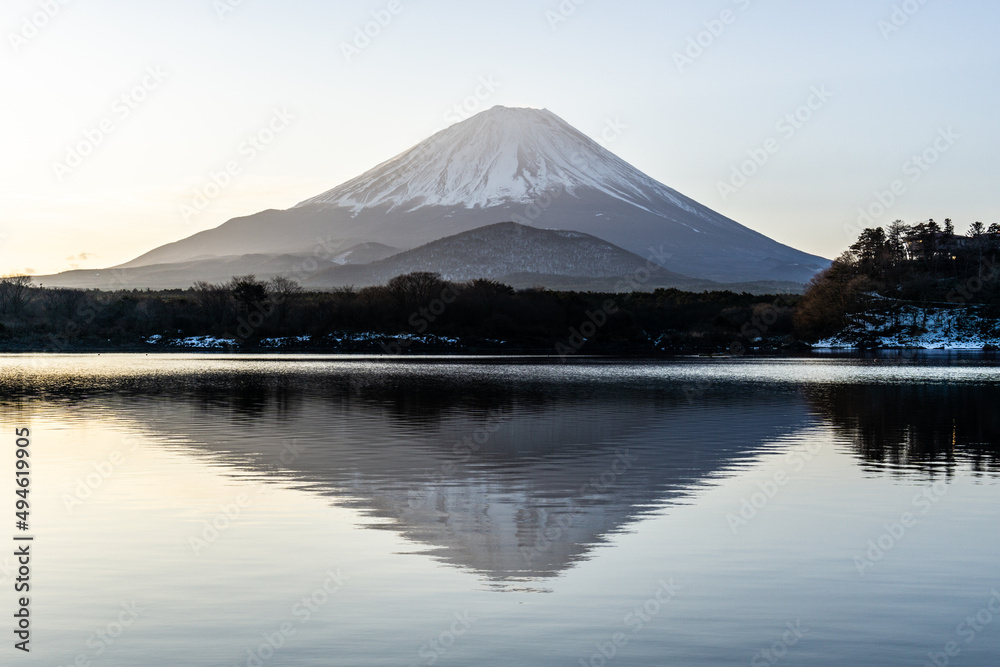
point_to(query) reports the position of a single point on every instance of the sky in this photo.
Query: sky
(130, 124)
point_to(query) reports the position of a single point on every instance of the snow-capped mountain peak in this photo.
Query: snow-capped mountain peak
(497, 157)
(504, 165)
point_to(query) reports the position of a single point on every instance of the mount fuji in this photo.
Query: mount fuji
(503, 165)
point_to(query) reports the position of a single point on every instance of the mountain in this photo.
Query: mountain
(507, 252)
(522, 165)
(530, 166)
(516, 255)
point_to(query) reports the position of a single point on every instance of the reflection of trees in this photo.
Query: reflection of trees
(256, 396)
(397, 394)
(921, 425)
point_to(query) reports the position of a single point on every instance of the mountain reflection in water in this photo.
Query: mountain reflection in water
(515, 472)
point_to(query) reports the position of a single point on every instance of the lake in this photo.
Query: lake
(284, 510)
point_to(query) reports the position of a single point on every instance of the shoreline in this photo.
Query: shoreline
(510, 351)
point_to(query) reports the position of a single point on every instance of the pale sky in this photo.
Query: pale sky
(161, 94)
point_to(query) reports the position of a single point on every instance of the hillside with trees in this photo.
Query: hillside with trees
(899, 274)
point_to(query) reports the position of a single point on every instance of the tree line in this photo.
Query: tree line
(248, 310)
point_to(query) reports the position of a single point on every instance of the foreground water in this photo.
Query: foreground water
(306, 511)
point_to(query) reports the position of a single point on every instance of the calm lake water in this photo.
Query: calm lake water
(238, 510)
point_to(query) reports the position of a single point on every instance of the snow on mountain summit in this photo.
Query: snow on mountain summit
(497, 157)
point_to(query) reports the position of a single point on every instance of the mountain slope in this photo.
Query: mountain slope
(510, 253)
(182, 275)
(526, 165)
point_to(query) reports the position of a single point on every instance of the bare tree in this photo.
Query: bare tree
(282, 286)
(15, 294)
(283, 293)
(215, 300)
(248, 292)
(63, 304)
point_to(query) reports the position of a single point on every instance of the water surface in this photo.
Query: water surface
(358, 511)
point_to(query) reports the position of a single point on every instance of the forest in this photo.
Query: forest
(412, 313)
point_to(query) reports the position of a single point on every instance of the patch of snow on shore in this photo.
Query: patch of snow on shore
(914, 327)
